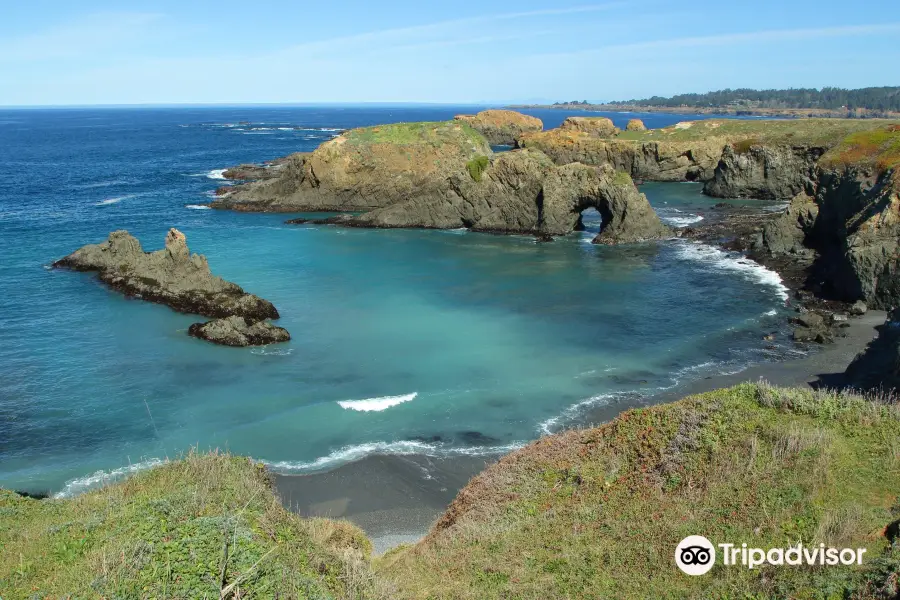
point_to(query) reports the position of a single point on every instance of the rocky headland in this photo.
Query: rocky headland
(445, 176)
(180, 280)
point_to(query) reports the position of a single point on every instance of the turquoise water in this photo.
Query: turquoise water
(403, 341)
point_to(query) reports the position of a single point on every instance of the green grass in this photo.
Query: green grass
(432, 133)
(477, 166)
(597, 513)
(200, 527)
(826, 132)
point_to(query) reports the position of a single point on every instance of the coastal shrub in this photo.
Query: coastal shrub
(477, 166)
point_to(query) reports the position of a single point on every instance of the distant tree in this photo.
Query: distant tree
(872, 98)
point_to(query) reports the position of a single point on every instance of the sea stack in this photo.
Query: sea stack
(171, 276)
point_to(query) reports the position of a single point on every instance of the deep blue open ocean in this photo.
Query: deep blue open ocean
(435, 342)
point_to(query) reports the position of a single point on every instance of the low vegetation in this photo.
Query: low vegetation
(598, 513)
(593, 513)
(477, 166)
(434, 133)
(207, 526)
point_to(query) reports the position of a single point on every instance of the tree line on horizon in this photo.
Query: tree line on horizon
(831, 98)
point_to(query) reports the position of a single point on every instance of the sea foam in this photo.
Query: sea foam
(376, 404)
(216, 174)
(348, 454)
(198, 206)
(715, 259)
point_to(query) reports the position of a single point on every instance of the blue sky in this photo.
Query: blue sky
(227, 51)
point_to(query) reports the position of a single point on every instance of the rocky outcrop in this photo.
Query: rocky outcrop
(593, 126)
(239, 331)
(643, 160)
(364, 169)
(787, 234)
(171, 276)
(444, 176)
(852, 224)
(522, 191)
(747, 170)
(635, 125)
(174, 277)
(502, 127)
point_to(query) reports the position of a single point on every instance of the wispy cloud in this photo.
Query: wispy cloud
(445, 32)
(91, 34)
(751, 37)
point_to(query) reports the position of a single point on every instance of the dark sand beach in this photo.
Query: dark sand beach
(395, 499)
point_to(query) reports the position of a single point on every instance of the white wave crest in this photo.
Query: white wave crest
(682, 221)
(719, 260)
(349, 454)
(100, 478)
(198, 206)
(216, 174)
(115, 200)
(376, 404)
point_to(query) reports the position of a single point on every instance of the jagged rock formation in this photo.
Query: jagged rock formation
(502, 127)
(238, 331)
(593, 126)
(787, 233)
(171, 276)
(635, 125)
(444, 176)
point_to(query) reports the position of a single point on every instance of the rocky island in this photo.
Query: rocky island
(182, 281)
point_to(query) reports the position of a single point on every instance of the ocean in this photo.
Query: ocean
(422, 342)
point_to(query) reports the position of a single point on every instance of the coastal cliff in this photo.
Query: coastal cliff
(178, 279)
(445, 176)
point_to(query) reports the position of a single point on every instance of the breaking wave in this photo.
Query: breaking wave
(376, 404)
(715, 259)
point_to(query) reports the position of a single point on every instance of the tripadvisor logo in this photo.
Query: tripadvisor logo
(696, 555)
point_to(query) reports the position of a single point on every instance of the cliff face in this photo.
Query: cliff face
(502, 126)
(767, 172)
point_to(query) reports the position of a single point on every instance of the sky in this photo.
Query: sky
(56, 52)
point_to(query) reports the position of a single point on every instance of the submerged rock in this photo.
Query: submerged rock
(238, 331)
(171, 276)
(502, 127)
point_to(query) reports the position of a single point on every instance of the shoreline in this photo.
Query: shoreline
(395, 499)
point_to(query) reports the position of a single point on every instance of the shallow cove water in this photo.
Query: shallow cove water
(431, 342)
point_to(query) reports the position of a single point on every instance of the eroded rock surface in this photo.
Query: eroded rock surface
(502, 127)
